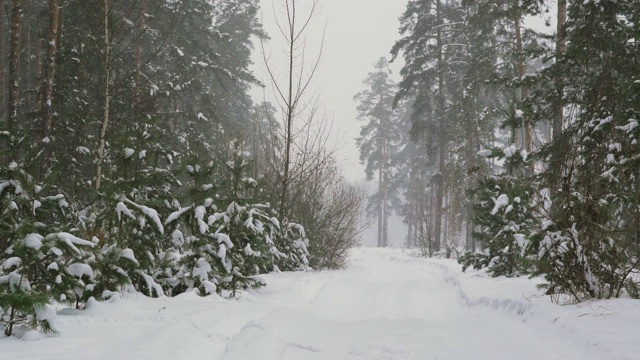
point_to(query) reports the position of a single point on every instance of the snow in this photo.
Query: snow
(128, 254)
(633, 123)
(121, 208)
(509, 151)
(485, 153)
(177, 238)
(79, 270)
(151, 284)
(224, 238)
(70, 241)
(200, 212)
(209, 287)
(31, 335)
(47, 313)
(202, 270)
(386, 305)
(4, 185)
(33, 241)
(36, 205)
(501, 201)
(128, 152)
(150, 213)
(176, 214)
(83, 150)
(222, 254)
(11, 262)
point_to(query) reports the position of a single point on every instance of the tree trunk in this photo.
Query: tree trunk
(380, 203)
(61, 4)
(431, 217)
(26, 68)
(107, 95)
(290, 109)
(526, 138)
(471, 175)
(138, 92)
(560, 145)
(2, 51)
(385, 180)
(442, 134)
(14, 64)
(49, 71)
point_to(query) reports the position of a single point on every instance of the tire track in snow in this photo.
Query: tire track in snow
(512, 306)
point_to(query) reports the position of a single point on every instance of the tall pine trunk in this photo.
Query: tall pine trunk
(442, 134)
(14, 64)
(107, 96)
(47, 89)
(2, 71)
(380, 202)
(525, 138)
(27, 76)
(141, 27)
(385, 179)
(558, 104)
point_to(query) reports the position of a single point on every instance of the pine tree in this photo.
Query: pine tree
(377, 137)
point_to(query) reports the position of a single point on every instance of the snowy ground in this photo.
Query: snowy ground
(386, 305)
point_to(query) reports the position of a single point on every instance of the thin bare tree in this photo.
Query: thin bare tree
(291, 92)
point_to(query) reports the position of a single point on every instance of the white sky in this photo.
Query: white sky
(358, 33)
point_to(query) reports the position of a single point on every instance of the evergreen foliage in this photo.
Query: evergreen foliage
(131, 130)
(587, 242)
(378, 136)
(556, 124)
(503, 220)
(42, 262)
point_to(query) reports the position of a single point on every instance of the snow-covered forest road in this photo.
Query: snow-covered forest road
(386, 305)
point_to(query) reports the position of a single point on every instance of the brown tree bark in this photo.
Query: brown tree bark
(14, 64)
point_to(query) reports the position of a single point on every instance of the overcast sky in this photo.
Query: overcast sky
(358, 33)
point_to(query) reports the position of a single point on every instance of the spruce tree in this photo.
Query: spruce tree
(42, 261)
